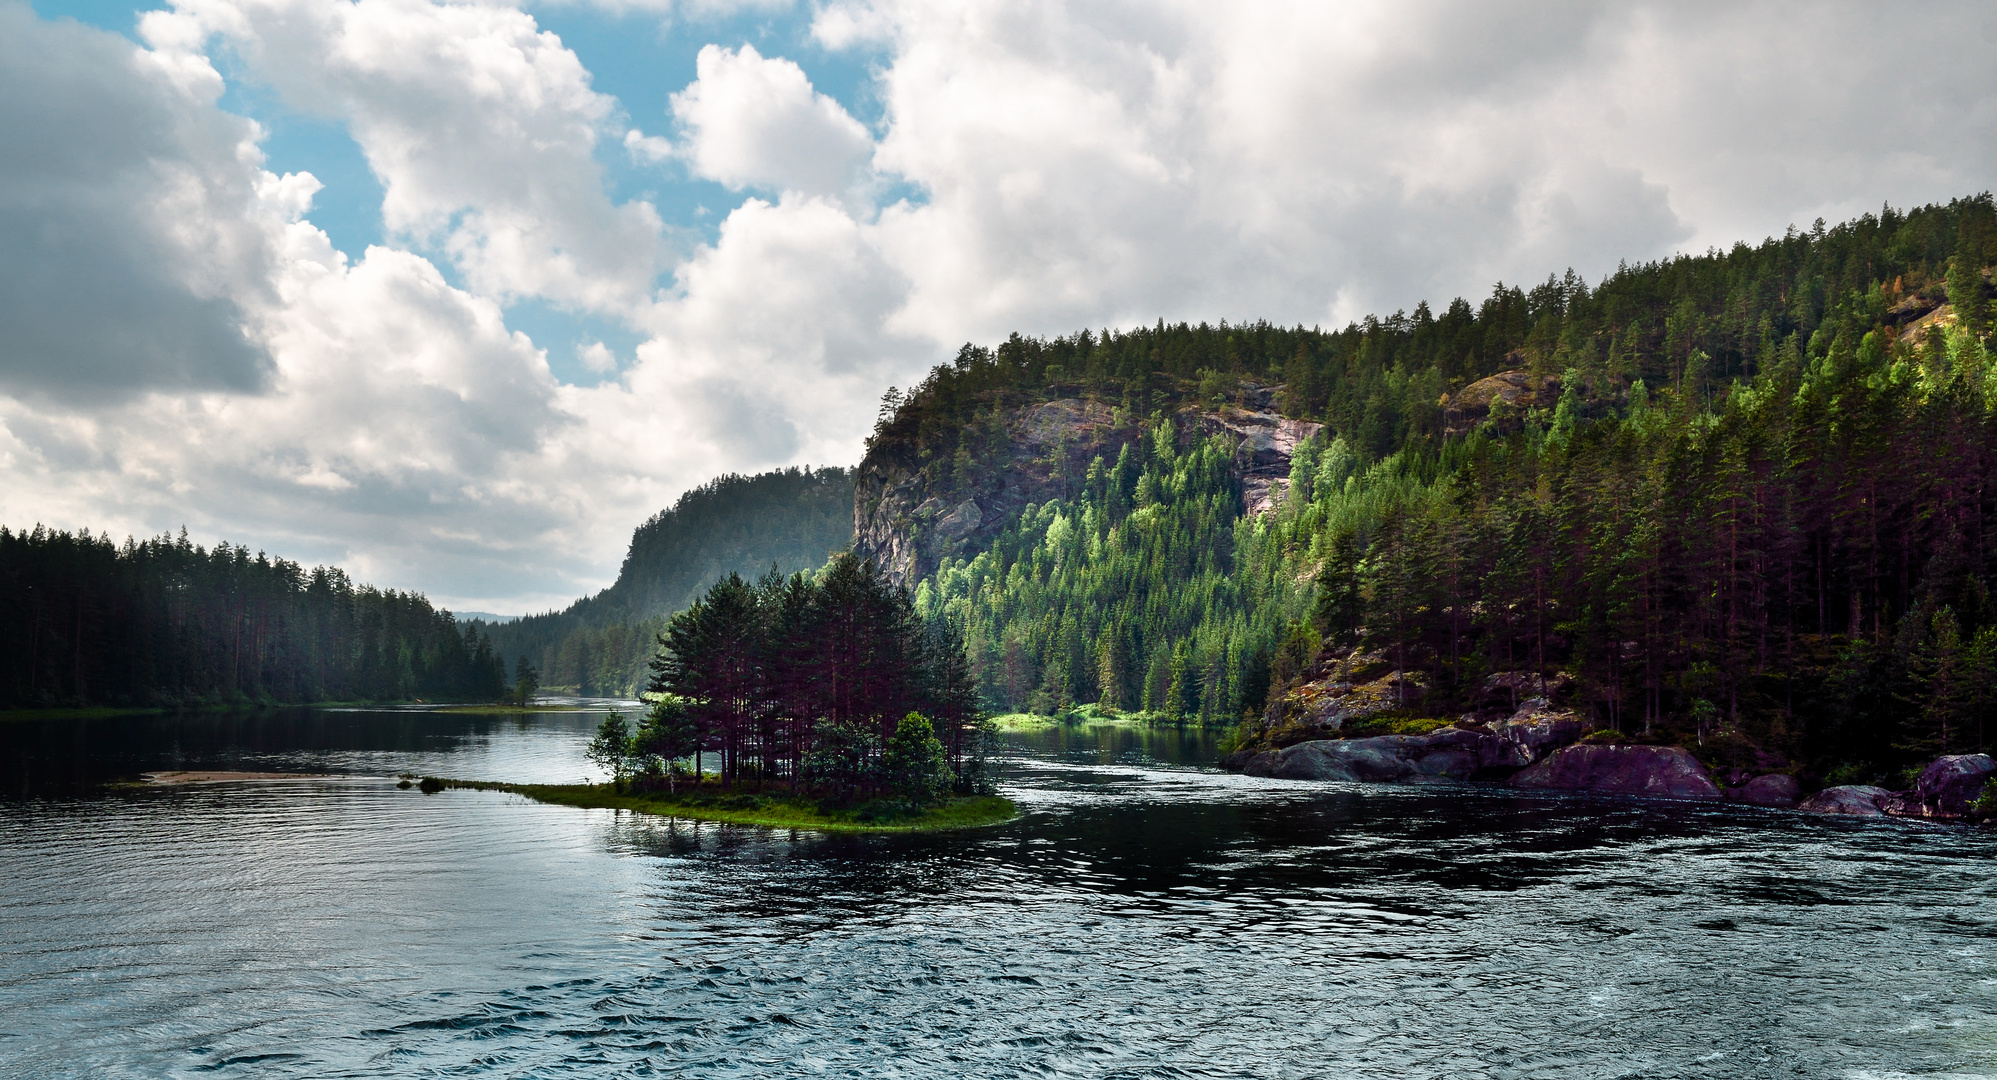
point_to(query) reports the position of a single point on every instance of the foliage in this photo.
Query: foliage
(914, 765)
(84, 621)
(808, 680)
(610, 750)
(1755, 518)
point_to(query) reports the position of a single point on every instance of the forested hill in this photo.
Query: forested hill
(790, 519)
(1737, 499)
(161, 622)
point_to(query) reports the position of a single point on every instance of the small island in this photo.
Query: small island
(822, 701)
(776, 810)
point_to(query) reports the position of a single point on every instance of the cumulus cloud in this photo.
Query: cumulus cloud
(482, 127)
(132, 220)
(756, 122)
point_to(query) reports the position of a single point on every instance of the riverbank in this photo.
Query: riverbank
(768, 811)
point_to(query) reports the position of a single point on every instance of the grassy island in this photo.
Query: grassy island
(779, 810)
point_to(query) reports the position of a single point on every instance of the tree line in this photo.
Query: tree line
(162, 622)
(806, 680)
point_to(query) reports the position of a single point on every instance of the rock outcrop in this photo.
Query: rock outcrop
(1658, 771)
(1852, 800)
(908, 522)
(1774, 789)
(1449, 754)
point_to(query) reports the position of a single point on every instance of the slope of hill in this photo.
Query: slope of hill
(1737, 500)
(790, 519)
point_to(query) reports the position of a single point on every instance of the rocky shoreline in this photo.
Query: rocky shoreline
(1538, 749)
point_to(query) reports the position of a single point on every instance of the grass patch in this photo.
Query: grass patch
(506, 710)
(1394, 725)
(1077, 716)
(776, 811)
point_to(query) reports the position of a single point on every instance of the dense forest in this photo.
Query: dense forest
(85, 621)
(808, 679)
(787, 520)
(1752, 515)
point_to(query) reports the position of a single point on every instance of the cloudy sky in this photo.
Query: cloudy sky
(455, 294)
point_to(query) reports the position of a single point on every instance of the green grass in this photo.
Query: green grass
(505, 710)
(769, 811)
(1081, 714)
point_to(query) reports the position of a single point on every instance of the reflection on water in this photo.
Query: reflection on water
(1144, 917)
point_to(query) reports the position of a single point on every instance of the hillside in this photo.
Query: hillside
(1735, 500)
(790, 519)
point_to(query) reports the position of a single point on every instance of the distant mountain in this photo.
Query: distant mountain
(484, 617)
(790, 520)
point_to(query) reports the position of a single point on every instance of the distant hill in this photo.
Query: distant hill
(791, 519)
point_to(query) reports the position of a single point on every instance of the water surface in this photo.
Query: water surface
(1145, 916)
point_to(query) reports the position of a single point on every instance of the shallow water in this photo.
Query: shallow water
(1143, 917)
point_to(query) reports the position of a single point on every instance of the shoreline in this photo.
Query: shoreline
(769, 812)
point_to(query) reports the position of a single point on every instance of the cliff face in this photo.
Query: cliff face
(908, 520)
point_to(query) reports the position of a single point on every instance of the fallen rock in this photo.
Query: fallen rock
(1775, 789)
(1949, 784)
(1449, 754)
(1854, 800)
(1658, 771)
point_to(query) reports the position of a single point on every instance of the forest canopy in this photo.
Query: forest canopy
(1752, 510)
(161, 622)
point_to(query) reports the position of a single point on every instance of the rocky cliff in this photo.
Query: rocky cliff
(912, 508)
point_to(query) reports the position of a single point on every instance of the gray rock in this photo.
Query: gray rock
(962, 520)
(1658, 771)
(1537, 733)
(1775, 789)
(1449, 754)
(1854, 800)
(1949, 784)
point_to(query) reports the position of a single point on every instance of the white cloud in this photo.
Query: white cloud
(756, 122)
(596, 356)
(133, 222)
(481, 126)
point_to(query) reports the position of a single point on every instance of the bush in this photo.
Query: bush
(840, 764)
(915, 766)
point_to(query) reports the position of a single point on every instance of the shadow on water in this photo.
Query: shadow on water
(67, 757)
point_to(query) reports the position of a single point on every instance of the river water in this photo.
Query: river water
(1145, 916)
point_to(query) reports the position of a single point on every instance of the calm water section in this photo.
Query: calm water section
(1145, 916)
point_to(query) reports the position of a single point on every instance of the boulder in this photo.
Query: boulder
(1949, 784)
(1659, 771)
(1538, 730)
(1775, 789)
(1854, 800)
(1449, 754)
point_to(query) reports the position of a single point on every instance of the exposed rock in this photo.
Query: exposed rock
(1854, 800)
(1659, 771)
(1774, 789)
(961, 521)
(1946, 787)
(1325, 705)
(909, 512)
(1449, 754)
(1518, 689)
(1539, 729)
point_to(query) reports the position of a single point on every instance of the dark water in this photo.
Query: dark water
(1144, 917)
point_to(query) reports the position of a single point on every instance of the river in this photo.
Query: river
(1145, 916)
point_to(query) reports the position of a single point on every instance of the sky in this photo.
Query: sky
(456, 294)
